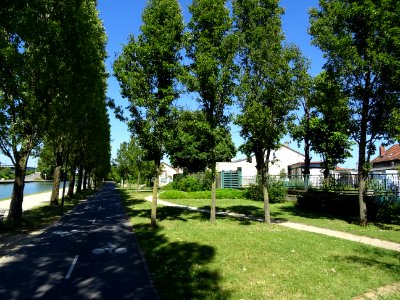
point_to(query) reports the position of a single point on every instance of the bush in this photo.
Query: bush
(193, 183)
(220, 193)
(383, 207)
(169, 186)
(276, 190)
(188, 184)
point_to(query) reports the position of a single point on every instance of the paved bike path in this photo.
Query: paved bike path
(91, 253)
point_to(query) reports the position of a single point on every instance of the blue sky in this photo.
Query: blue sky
(123, 17)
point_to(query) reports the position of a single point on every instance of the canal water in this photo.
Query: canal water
(30, 188)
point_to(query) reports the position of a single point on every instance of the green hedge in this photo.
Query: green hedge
(220, 193)
(382, 207)
(276, 190)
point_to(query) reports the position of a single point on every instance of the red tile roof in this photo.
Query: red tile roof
(393, 153)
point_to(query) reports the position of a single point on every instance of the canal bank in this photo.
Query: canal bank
(31, 187)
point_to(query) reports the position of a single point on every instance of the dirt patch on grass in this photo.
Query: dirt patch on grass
(380, 293)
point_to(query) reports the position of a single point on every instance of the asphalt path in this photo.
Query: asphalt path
(91, 253)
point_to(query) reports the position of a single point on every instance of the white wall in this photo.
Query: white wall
(284, 157)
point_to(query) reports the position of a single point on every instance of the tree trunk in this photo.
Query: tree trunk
(154, 199)
(89, 182)
(267, 215)
(138, 182)
(213, 187)
(362, 165)
(71, 183)
(80, 177)
(307, 158)
(17, 196)
(56, 179)
(362, 179)
(85, 178)
(264, 182)
(56, 186)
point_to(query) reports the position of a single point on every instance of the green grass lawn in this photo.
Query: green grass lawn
(42, 216)
(288, 211)
(192, 258)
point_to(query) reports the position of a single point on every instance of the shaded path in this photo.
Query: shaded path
(90, 253)
(338, 234)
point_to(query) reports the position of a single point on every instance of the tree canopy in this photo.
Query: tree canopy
(147, 71)
(360, 42)
(188, 146)
(267, 90)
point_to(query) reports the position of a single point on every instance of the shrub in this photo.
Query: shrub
(193, 183)
(169, 186)
(276, 190)
(220, 193)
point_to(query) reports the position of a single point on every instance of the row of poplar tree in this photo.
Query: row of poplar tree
(234, 52)
(53, 90)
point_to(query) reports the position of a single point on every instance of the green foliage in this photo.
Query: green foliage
(6, 173)
(220, 193)
(276, 190)
(360, 42)
(195, 182)
(383, 207)
(188, 184)
(147, 71)
(189, 143)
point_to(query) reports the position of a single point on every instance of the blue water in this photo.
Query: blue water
(30, 188)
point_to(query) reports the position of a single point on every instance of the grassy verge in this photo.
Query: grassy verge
(191, 258)
(41, 216)
(289, 212)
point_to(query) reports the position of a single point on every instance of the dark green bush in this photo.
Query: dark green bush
(169, 186)
(383, 207)
(188, 184)
(193, 183)
(6, 173)
(220, 193)
(276, 190)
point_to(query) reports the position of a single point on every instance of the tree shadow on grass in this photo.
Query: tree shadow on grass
(295, 210)
(388, 261)
(180, 269)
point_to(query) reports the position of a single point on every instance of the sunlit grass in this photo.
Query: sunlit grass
(288, 211)
(192, 258)
(42, 216)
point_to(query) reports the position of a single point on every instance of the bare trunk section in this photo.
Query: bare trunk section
(307, 145)
(17, 196)
(362, 164)
(213, 207)
(80, 178)
(56, 186)
(154, 199)
(71, 182)
(262, 167)
(138, 182)
(85, 178)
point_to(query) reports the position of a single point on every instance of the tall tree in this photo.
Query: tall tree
(188, 147)
(329, 122)
(360, 42)
(29, 36)
(267, 90)
(211, 49)
(81, 90)
(130, 162)
(147, 71)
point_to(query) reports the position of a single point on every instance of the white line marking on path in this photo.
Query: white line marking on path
(94, 220)
(71, 268)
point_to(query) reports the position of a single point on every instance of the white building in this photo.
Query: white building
(282, 158)
(167, 174)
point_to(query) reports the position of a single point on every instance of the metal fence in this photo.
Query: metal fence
(337, 182)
